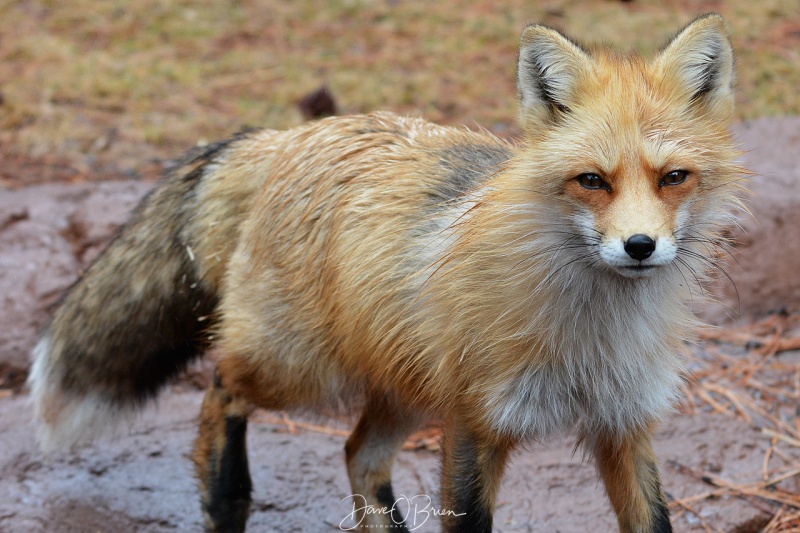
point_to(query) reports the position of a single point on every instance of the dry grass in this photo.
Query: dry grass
(92, 90)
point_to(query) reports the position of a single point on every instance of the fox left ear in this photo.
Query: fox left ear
(548, 71)
(700, 61)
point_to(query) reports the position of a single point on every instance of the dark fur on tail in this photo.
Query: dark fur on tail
(136, 317)
(154, 332)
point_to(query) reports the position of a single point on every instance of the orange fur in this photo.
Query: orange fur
(628, 469)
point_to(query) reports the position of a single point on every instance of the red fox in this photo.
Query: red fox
(514, 291)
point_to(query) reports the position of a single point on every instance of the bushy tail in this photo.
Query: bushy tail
(137, 316)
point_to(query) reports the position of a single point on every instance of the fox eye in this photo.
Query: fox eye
(673, 178)
(592, 181)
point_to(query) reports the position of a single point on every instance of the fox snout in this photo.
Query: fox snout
(640, 246)
(638, 255)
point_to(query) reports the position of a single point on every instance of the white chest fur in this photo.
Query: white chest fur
(609, 362)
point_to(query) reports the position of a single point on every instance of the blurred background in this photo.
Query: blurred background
(97, 90)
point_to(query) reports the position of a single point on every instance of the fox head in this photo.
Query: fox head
(638, 152)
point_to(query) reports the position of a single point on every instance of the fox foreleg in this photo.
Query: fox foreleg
(629, 471)
(370, 452)
(471, 471)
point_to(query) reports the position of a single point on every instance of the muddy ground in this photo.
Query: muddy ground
(143, 481)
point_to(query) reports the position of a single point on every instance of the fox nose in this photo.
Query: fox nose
(640, 246)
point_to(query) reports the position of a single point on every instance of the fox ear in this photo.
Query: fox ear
(700, 61)
(547, 72)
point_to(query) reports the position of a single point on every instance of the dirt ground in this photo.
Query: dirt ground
(729, 456)
(143, 482)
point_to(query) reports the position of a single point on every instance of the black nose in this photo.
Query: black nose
(640, 247)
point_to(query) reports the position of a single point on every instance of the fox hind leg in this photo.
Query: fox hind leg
(628, 468)
(370, 452)
(220, 457)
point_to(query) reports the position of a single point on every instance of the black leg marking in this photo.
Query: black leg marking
(370, 451)
(658, 506)
(466, 484)
(467, 502)
(385, 497)
(661, 523)
(230, 487)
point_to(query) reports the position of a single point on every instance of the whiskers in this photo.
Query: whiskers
(699, 254)
(547, 253)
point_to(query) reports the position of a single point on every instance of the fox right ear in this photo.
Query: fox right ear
(547, 72)
(699, 61)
